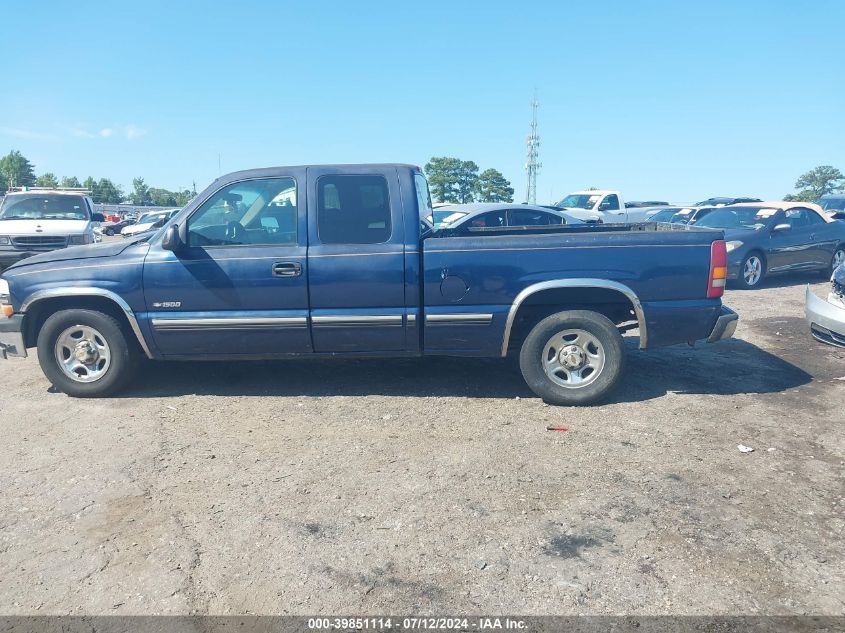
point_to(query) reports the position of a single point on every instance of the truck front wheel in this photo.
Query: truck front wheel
(572, 358)
(85, 353)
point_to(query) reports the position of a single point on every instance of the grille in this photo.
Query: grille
(45, 242)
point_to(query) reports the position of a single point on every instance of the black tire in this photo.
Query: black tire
(741, 280)
(534, 349)
(123, 356)
(109, 232)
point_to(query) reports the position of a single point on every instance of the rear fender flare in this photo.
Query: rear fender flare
(576, 283)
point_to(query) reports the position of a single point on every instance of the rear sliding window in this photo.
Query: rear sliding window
(353, 210)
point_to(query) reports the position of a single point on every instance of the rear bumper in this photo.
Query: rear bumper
(725, 325)
(826, 320)
(11, 337)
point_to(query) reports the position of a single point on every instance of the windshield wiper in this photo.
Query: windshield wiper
(15, 217)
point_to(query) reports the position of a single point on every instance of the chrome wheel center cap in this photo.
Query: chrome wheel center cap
(85, 353)
(572, 357)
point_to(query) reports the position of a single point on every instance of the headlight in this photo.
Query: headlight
(732, 245)
(77, 240)
(4, 240)
(5, 302)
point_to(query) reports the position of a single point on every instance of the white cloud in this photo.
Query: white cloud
(79, 132)
(106, 132)
(27, 134)
(134, 132)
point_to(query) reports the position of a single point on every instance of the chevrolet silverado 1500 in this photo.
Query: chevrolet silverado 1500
(339, 260)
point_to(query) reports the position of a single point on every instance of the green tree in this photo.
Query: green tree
(47, 180)
(141, 192)
(16, 170)
(71, 181)
(467, 185)
(162, 197)
(494, 187)
(443, 173)
(184, 197)
(816, 183)
(106, 192)
(91, 185)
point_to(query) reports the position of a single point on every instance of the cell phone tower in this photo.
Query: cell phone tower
(533, 165)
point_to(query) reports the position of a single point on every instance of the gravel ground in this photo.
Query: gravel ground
(433, 486)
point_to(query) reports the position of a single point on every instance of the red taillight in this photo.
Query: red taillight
(718, 269)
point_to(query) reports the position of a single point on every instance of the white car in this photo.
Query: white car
(36, 220)
(148, 221)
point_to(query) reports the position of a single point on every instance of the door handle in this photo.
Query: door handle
(287, 269)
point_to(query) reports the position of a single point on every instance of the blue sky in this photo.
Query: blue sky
(670, 100)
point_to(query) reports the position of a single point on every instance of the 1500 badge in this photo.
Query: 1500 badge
(167, 304)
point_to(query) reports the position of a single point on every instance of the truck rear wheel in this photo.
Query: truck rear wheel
(85, 353)
(572, 358)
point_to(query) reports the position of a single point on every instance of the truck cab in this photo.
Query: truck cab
(595, 205)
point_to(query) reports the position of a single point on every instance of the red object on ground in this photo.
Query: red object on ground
(557, 428)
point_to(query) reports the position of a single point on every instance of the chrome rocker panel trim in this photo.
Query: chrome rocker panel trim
(229, 323)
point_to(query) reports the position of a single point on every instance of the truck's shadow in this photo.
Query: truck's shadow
(730, 367)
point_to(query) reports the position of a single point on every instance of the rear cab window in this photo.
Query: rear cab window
(353, 209)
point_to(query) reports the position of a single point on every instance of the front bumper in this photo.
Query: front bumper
(826, 320)
(11, 337)
(725, 325)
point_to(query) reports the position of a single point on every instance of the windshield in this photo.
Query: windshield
(148, 218)
(833, 204)
(746, 218)
(43, 207)
(440, 218)
(663, 216)
(579, 201)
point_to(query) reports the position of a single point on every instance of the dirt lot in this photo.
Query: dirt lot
(414, 487)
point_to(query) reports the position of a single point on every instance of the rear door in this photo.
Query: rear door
(239, 286)
(356, 260)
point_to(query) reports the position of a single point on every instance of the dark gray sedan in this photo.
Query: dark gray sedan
(766, 238)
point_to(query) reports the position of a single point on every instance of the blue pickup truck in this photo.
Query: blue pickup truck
(340, 260)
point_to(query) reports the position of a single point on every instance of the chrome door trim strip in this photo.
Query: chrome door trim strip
(357, 320)
(230, 323)
(80, 291)
(576, 283)
(460, 318)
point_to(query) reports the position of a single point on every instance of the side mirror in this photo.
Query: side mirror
(172, 241)
(780, 228)
(98, 217)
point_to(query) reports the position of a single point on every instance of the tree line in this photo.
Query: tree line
(450, 180)
(458, 181)
(17, 171)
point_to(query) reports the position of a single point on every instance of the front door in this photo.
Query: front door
(356, 260)
(239, 286)
(795, 248)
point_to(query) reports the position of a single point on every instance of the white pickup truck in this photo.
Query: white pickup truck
(600, 205)
(36, 220)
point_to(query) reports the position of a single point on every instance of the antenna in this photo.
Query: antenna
(533, 165)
